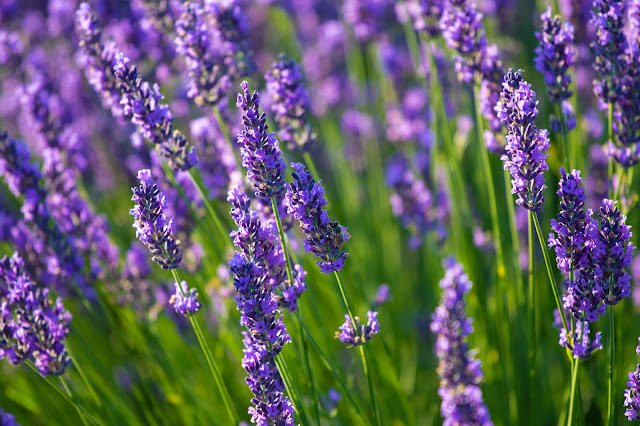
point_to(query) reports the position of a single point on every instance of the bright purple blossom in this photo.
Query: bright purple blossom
(185, 300)
(31, 326)
(261, 154)
(290, 103)
(579, 342)
(526, 144)
(555, 55)
(324, 236)
(357, 334)
(7, 419)
(153, 228)
(632, 394)
(460, 373)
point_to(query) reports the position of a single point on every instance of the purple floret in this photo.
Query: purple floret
(185, 300)
(360, 333)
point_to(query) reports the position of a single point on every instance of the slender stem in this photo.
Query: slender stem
(208, 206)
(574, 385)
(68, 392)
(311, 165)
(224, 392)
(547, 261)
(352, 318)
(84, 377)
(290, 387)
(612, 342)
(224, 129)
(610, 131)
(532, 327)
(287, 258)
(563, 134)
(515, 240)
(491, 188)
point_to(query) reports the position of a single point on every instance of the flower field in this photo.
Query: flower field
(319, 212)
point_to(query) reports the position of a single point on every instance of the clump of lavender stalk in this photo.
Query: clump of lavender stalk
(460, 373)
(632, 394)
(358, 334)
(324, 236)
(290, 103)
(31, 326)
(526, 144)
(261, 154)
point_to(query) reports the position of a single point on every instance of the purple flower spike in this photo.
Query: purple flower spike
(571, 239)
(208, 81)
(7, 419)
(185, 300)
(526, 144)
(152, 226)
(324, 236)
(460, 373)
(141, 103)
(579, 342)
(632, 394)
(291, 103)
(31, 326)
(361, 333)
(613, 254)
(261, 154)
(555, 55)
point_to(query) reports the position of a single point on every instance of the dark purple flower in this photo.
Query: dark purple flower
(141, 103)
(265, 336)
(290, 103)
(208, 80)
(261, 154)
(460, 373)
(31, 326)
(7, 419)
(612, 254)
(152, 226)
(555, 55)
(526, 144)
(579, 342)
(358, 334)
(185, 300)
(324, 236)
(571, 240)
(632, 394)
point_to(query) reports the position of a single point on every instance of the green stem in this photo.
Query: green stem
(491, 188)
(515, 240)
(532, 327)
(547, 261)
(311, 165)
(68, 392)
(86, 381)
(563, 135)
(352, 318)
(208, 206)
(290, 387)
(610, 168)
(574, 386)
(224, 129)
(612, 341)
(207, 354)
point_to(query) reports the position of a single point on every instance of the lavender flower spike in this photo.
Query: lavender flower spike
(361, 333)
(460, 373)
(555, 55)
(526, 144)
(291, 103)
(185, 300)
(613, 254)
(572, 243)
(632, 394)
(141, 103)
(31, 326)
(325, 237)
(7, 419)
(261, 154)
(152, 226)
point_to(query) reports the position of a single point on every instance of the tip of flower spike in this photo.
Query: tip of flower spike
(144, 176)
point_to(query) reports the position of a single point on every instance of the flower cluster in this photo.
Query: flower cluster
(141, 103)
(324, 236)
(367, 17)
(462, 29)
(152, 226)
(290, 103)
(260, 241)
(555, 55)
(612, 254)
(265, 336)
(261, 154)
(632, 394)
(208, 81)
(412, 202)
(425, 15)
(526, 144)
(31, 326)
(355, 334)
(460, 373)
(185, 300)
(7, 419)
